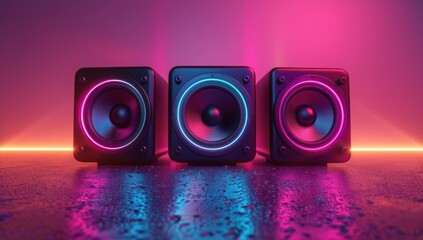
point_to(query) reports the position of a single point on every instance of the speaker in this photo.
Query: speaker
(115, 113)
(212, 113)
(309, 116)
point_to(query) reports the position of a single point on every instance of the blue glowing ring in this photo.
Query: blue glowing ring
(208, 81)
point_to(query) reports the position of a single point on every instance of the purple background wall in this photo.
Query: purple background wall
(43, 43)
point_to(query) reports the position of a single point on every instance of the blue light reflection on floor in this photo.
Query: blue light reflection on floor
(214, 202)
(248, 201)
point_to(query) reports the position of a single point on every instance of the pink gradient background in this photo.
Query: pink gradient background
(42, 44)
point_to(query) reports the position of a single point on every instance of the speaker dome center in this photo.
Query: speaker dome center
(120, 116)
(306, 116)
(211, 116)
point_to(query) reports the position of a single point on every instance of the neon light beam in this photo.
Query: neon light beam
(35, 149)
(386, 149)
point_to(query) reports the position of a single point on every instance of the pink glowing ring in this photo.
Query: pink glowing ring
(282, 100)
(82, 114)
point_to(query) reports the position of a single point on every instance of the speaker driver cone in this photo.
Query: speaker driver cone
(309, 114)
(212, 113)
(113, 114)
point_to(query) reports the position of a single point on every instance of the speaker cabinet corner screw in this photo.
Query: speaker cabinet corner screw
(281, 79)
(246, 149)
(282, 149)
(341, 81)
(81, 149)
(178, 149)
(143, 149)
(178, 79)
(144, 79)
(344, 149)
(246, 79)
(82, 79)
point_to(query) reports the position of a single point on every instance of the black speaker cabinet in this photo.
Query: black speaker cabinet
(309, 116)
(116, 111)
(212, 113)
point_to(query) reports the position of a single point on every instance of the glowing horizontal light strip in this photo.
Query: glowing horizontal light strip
(35, 149)
(386, 149)
(68, 149)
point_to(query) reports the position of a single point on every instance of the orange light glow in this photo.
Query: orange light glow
(68, 149)
(387, 149)
(35, 149)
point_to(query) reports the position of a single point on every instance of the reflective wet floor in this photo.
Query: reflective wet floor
(50, 195)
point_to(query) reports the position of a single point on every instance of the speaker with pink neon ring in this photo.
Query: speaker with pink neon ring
(309, 116)
(116, 111)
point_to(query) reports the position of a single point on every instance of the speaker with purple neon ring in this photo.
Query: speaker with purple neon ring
(115, 113)
(212, 113)
(309, 116)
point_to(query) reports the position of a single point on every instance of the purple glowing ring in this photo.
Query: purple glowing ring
(282, 101)
(84, 103)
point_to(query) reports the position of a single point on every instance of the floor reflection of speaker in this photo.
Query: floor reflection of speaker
(310, 116)
(213, 114)
(116, 110)
(111, 203)
(309, 202)
(215, 203)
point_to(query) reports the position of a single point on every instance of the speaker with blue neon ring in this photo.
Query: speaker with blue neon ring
(212, 115)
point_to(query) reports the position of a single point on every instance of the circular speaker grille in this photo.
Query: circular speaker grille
(310, 114)
(212, 113)
(113, 114)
